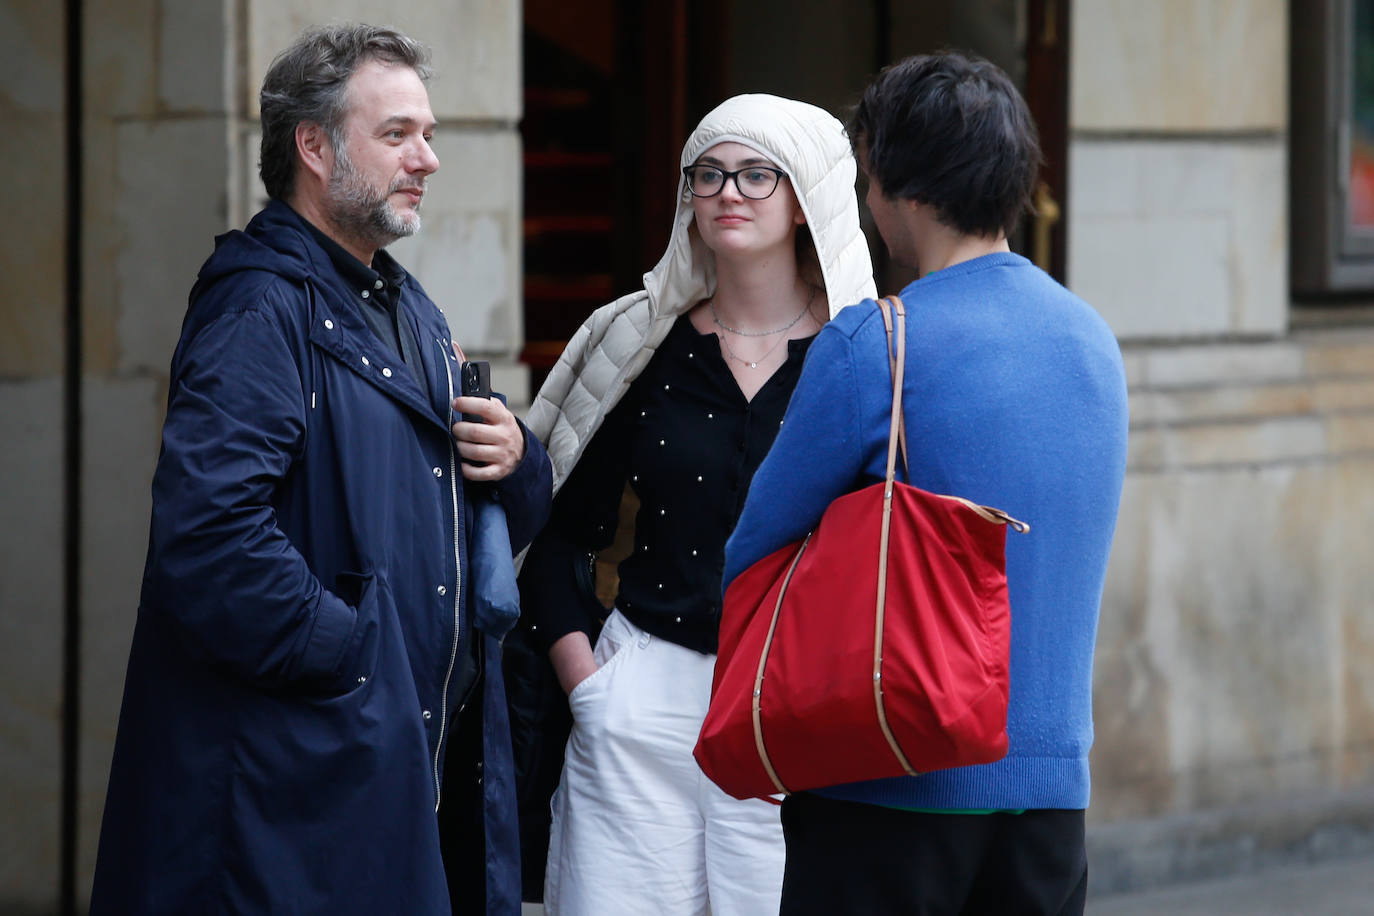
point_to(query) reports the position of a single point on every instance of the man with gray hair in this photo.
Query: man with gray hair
(320, 619)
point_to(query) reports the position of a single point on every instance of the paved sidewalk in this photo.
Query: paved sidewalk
(1340, 888)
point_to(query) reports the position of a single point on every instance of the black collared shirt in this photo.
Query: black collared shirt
(378, 294)
(688, 443)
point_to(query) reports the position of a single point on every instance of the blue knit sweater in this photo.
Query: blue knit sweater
(1015, 397)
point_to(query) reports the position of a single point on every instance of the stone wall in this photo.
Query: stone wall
(32, 107)
(1233, 701)
(1233, 685)
(1177, 163)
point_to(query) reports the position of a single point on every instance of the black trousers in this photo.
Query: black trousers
(462, 834)
(845, 857)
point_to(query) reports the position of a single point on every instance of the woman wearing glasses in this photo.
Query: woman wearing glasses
(678, 390)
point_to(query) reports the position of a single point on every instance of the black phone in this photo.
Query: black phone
(474, 380)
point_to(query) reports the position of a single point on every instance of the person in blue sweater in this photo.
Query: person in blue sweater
(1014, 397)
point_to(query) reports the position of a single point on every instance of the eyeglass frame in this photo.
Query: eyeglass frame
(687, 171)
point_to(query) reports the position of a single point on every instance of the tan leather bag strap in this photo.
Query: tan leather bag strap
(763, 663)
(892, 369)
(893, 330)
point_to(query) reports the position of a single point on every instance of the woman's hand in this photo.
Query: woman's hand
(572, 659)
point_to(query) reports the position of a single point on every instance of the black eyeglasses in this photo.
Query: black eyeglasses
(756, 182)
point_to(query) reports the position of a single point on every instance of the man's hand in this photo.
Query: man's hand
(496, 442)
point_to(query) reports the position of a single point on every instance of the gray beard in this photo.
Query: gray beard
(363, 212)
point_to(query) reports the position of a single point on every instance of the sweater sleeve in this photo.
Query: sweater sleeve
(557, 584)
(817, 456)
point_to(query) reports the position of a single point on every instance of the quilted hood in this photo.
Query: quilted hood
(810, 145)
(615, 344)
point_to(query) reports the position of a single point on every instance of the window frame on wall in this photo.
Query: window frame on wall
(1331, 256)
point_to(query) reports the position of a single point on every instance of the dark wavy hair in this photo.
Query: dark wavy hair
(307, 83)
(950, 130)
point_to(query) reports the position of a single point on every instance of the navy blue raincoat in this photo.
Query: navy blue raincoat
(306, 603)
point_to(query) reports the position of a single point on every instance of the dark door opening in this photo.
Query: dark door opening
(611, 89)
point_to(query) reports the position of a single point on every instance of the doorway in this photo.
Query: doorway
(611, 89)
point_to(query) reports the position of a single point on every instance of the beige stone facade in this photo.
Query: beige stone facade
(1234, 694)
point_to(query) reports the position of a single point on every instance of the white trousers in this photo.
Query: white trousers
(637, 827)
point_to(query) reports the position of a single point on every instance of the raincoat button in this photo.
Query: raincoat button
(366, 294)
(377, 284)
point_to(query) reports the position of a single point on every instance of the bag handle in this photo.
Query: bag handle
(889, 306)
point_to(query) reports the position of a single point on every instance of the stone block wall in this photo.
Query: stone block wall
(1233, 704)
(32, 256)
(1234, 699)
(1177, 164)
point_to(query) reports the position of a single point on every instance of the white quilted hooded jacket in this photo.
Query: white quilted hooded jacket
(615, 344)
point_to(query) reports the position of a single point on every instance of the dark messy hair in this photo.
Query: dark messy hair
(307, 82)
(951, 131)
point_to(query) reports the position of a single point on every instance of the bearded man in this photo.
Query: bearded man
(307, 648)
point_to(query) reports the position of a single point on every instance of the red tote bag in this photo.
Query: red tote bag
(876, 647)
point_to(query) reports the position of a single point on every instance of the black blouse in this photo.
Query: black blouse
(688, 443)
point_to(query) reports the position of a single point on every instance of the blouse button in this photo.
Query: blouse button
(660, 586)
(694, 553)
(438, 472)
(442, 591)
(634, 477)
(641, 413)
(365, 362)
(328, 325)
(366, 294)
(710, 416)
(691, 356)
(677, 620)
(662, 511)
(665, 387)
(698, 478)
(377, 284)
(386, 372)
(662, 441)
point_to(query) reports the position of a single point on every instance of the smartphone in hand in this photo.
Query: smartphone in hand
(475, 382)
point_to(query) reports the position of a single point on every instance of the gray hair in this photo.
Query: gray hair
(306, 83)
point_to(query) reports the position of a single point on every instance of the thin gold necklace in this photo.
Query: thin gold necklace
(715, 316)
(754, 364)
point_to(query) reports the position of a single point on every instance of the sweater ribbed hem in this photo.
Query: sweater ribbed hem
(1012, 782)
